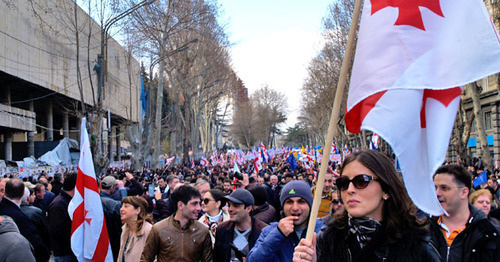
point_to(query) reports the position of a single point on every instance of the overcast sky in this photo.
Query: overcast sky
(273, 42)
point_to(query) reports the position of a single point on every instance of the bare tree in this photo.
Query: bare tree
(244, 124)
(461, 133)
(269, 112)
(323, 74)
(478, 116)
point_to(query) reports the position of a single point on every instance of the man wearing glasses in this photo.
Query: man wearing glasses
(465, 234)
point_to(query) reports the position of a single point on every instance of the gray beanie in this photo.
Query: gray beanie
(296, 188)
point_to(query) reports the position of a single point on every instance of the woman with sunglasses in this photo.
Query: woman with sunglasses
(378, 222)
(212, 204)
(136, 228)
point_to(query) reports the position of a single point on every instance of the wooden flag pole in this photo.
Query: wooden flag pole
(332, 127)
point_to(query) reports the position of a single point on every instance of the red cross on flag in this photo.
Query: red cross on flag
(89, 234)
(412, 56)
(203, 161)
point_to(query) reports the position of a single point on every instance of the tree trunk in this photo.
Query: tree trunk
(481, 133)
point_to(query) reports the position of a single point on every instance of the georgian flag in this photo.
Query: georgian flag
(203, 161)
(169, 161)
(374, 142)
(89, 235)
(411, 59)
(257, 164)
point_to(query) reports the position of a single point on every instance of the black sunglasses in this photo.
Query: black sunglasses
(207, 200)
(359, 182)
(336, 201)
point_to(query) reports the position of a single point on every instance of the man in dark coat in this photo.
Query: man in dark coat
(466, 234)
(10, 206)
(36, 216)
(60, 222)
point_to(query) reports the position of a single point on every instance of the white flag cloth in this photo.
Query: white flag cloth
(169, 161)
(236, 168)
(89, 235)
(410, 59)
(257, 164)
(203, 161)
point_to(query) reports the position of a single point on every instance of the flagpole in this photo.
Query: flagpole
(332, 127)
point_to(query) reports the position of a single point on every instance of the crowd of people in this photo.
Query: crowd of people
(202, 213)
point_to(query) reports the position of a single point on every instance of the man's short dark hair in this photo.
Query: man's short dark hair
(171, 178)
(14, 188)
(259, 195)
(460, 174)
(38, 187)
(69, 181)
(57, 177)
(184, 193)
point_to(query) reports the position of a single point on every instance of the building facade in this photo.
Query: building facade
(48, 63)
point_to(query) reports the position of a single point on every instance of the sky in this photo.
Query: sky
(273, 42)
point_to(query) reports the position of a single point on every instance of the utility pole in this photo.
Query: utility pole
(101, 70)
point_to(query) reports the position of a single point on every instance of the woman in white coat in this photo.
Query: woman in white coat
(136, 228)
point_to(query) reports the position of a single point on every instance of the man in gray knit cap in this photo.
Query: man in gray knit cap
(277, 241)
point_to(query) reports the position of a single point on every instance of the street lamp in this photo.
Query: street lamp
(99, 68)
(104, 47)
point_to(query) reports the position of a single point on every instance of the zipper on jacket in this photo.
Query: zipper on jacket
(350, 255)
(447, 253)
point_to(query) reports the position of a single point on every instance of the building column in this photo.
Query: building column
(8, 146)
(111, 134)
(50, 122)
(495, 124)
(31, 134)
(118, 146)
(66, 124)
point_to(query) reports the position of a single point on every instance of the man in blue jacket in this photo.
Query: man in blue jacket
(277, 241)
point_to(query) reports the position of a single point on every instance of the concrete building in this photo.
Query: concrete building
(39, 88)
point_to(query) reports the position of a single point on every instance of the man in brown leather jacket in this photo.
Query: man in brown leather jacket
(180, 237)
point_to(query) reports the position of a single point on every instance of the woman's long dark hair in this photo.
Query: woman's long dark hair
(399, 212)
(218, 196)
(139, 202)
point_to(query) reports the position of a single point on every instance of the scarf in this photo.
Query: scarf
(213, 222)
(363, 229)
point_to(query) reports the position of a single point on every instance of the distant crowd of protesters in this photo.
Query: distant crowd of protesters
(193, 212)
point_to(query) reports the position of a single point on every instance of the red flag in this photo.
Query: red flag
(410, 58)
(89, 234)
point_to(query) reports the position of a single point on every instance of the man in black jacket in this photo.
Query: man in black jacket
(111, 210)
(466, 234)
(236, 237)
(10, 206)
(60, 222)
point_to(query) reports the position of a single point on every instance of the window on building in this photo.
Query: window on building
(487, 120)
